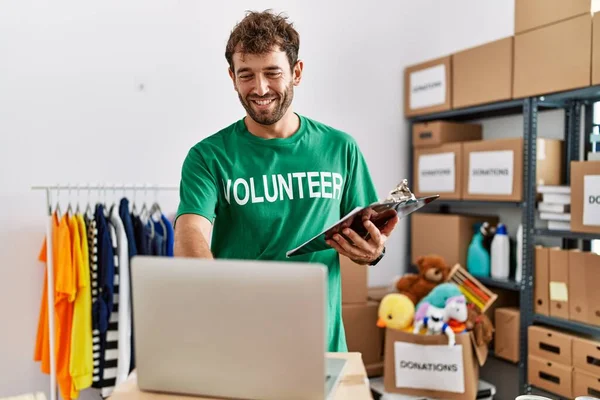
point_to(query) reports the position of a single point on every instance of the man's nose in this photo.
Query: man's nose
(262, 85)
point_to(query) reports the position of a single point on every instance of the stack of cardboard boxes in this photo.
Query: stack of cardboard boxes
(452, 160)
(562, 363)
(359, 315)
(552, 50)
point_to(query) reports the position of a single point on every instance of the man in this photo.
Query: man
(274, 178)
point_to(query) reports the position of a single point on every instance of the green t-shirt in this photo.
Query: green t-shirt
(267, 196)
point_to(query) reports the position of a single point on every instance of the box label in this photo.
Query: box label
(434, 367)
(591, 200)
(428, 87)
(437, 173)
(491, 172)
(559, 291)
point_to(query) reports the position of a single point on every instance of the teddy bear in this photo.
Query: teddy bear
(433, 270)
(480, 325)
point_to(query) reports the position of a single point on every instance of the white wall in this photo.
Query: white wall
(142, 81)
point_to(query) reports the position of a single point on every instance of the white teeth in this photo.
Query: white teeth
(263, 102)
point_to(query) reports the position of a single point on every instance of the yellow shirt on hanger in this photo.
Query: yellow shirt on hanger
(81, 362)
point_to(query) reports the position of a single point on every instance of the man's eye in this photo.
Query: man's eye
(273, 74)
(245, 76)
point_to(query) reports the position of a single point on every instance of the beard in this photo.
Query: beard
(275, 112)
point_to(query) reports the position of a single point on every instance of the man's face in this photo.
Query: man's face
(265, 84)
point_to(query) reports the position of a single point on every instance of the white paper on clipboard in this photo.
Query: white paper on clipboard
(379, 213)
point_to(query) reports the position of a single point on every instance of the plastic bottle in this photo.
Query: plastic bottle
(500, 253)
(519, 270)
(478, 259)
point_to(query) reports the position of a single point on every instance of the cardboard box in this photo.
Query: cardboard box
(428, 87)
(550, 344)
(554, 58)
(596, 49)
(438, 170)
(354, 281)
(584, 294)
(362, 334)
(423, 369)
(585, 196)
(541, 282)
(585, 384)
(551, 376)
(506, 340)
(531, 14)
(436, 133)
(374, 370)
(559, 282)
(586, 355)
(493, 169)
(483, 74)
(377, 293)
(447, 235)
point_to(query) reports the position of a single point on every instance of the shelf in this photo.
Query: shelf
(573, 326)
(478, 203)
(510, 107)
(566, 234)
(499, 283)
(591, 93)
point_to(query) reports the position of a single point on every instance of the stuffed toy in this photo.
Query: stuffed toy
(396, 311)
(434, 319)
(440, 294)
(433, 270)
(480, 324)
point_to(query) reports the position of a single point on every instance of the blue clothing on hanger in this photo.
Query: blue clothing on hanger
(103, 306)
(170, 235)
(128, 224)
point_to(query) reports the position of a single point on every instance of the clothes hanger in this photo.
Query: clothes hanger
(77, 209)
(88, 209)
(57, 208)
(69, 212)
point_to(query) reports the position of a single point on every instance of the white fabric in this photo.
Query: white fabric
(124, 362)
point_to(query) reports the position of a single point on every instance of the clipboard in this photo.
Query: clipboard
(379, 213)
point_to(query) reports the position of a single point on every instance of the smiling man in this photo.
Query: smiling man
(274, 178)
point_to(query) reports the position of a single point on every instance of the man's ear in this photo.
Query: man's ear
(298, 68)
(232, 76)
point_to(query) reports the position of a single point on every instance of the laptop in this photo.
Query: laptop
(232, 328)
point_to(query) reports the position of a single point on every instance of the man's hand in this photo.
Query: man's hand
(363, 251)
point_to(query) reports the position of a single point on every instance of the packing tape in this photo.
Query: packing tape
(354, 380)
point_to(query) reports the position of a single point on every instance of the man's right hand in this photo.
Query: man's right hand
(192, 235)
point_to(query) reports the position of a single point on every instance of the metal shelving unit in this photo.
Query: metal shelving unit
(500, 283)
(571, 102)
(567, 234)
(573, 326)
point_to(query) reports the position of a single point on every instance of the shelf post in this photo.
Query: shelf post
(530, 115)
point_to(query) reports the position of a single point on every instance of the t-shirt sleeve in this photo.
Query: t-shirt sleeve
(359, 189)
(198, 190)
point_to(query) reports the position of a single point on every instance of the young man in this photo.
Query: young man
(274, 178)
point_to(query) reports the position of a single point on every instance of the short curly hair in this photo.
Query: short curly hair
(259, 32)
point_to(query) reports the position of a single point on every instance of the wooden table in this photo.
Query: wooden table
(354, 384)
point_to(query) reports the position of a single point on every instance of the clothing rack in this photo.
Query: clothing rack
(49, 253)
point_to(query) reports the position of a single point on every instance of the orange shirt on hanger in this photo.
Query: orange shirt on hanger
(64, 297)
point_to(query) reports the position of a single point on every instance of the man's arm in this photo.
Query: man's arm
(192, 233)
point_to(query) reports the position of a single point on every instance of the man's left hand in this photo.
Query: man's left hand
(363, 251)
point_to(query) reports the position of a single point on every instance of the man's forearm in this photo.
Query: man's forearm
(190, 242)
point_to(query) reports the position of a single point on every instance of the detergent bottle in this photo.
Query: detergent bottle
(478, 259)
(500, 253)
